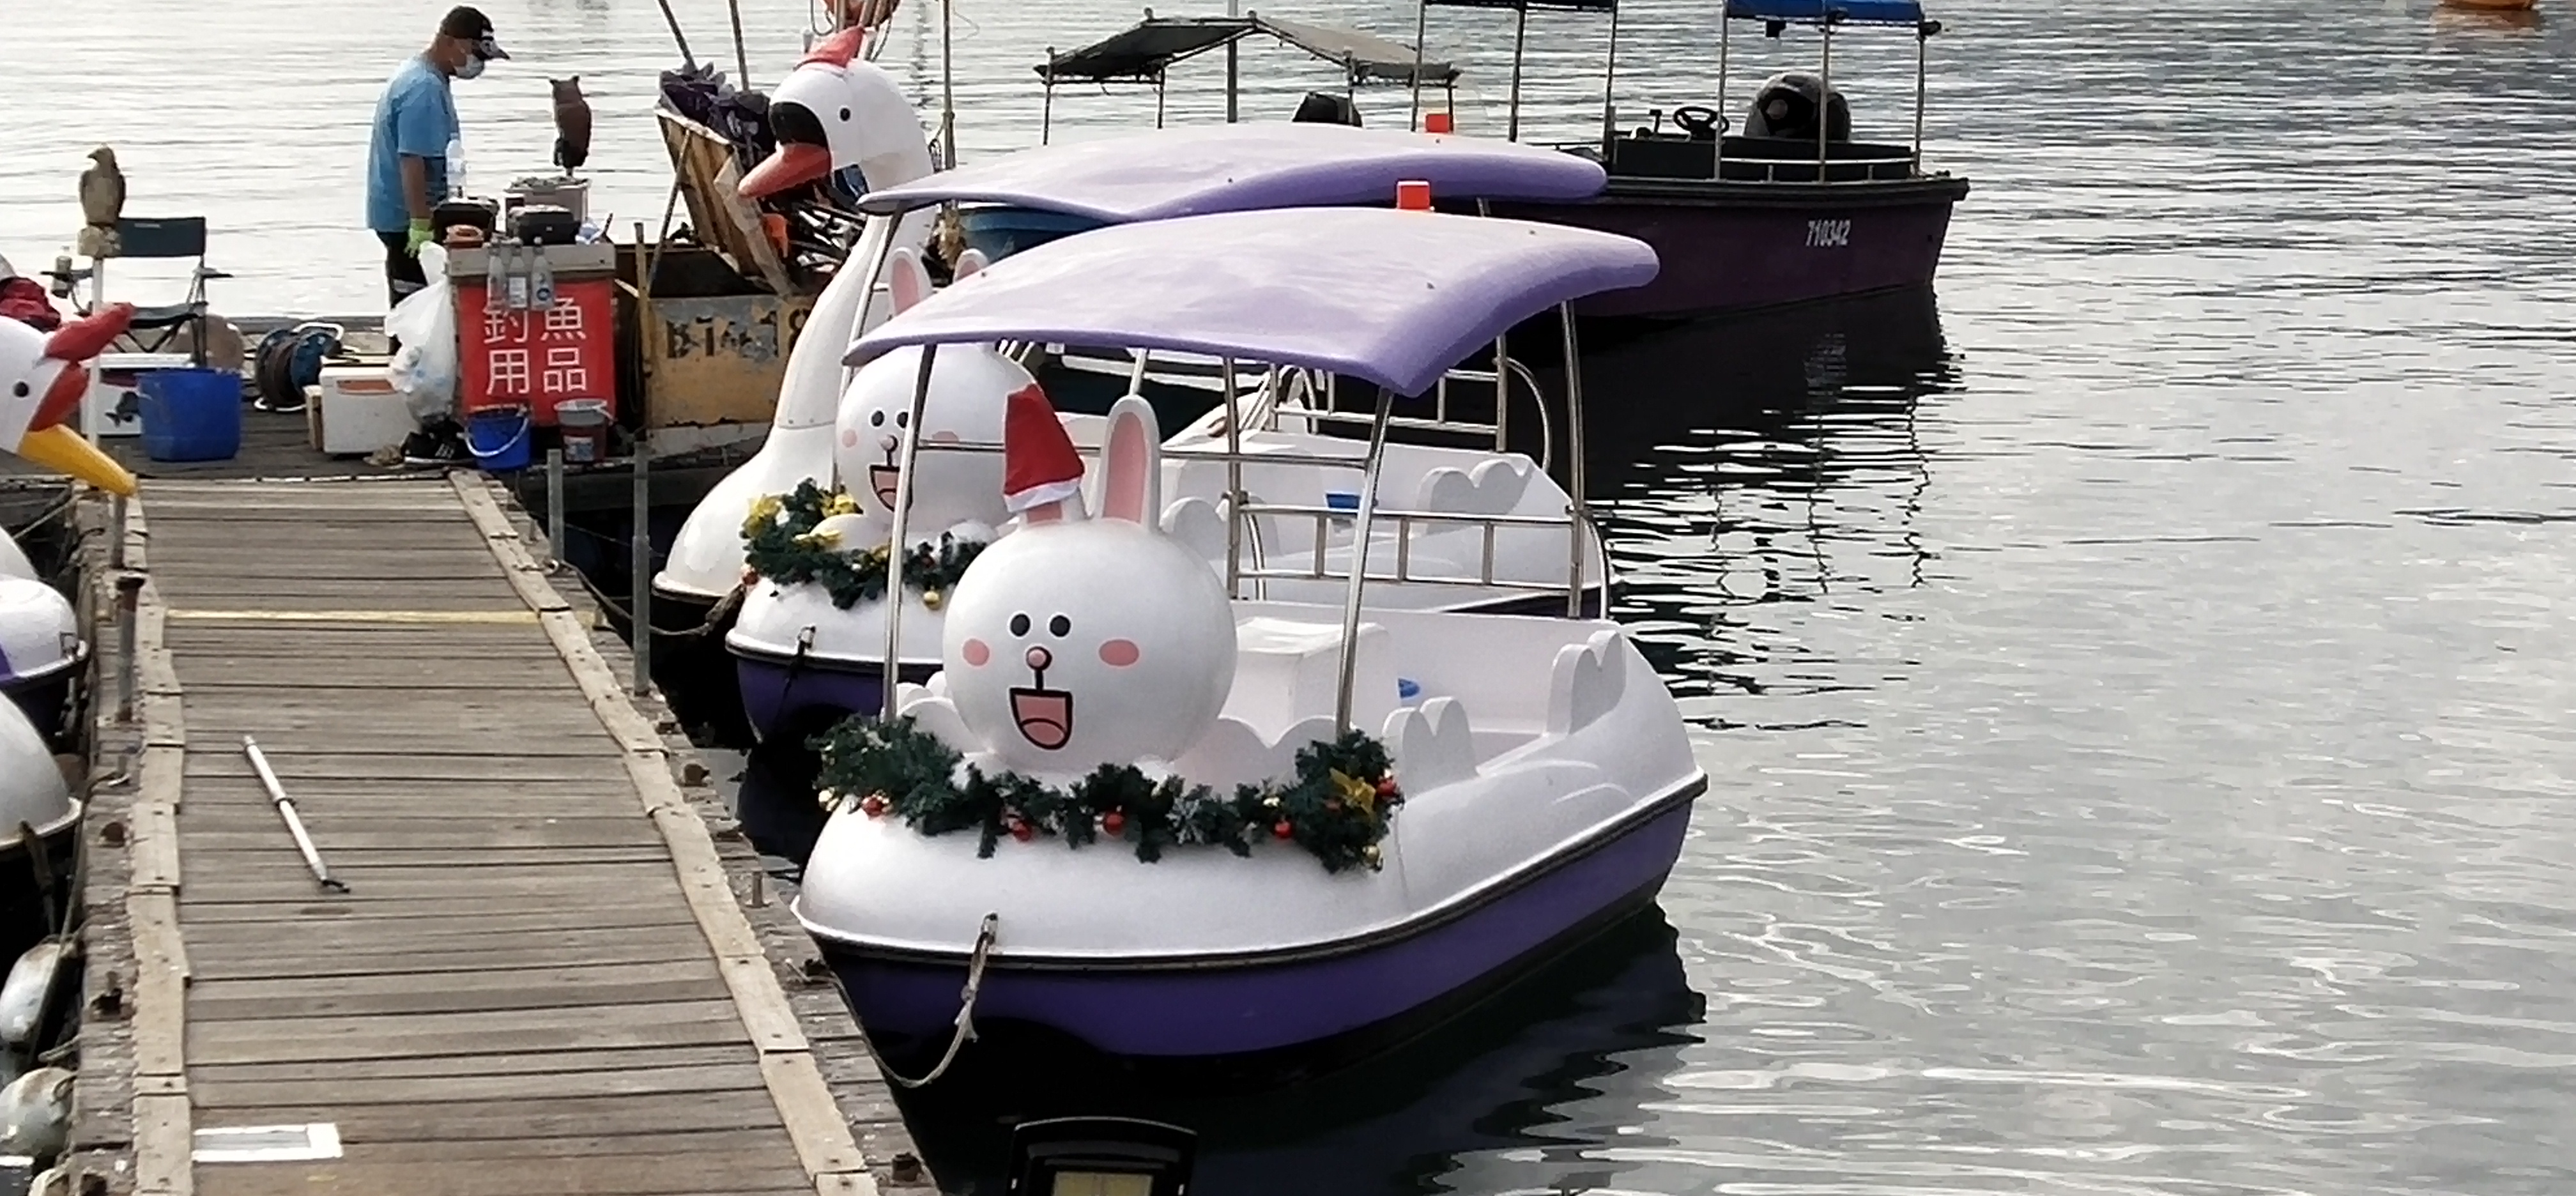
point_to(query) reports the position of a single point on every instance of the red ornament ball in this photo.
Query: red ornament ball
(1386, 787)
(873, 804)
(1112, 822)
(1283, 830)
(1022, 831)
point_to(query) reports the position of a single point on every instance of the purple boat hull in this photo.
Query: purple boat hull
(776, 693)
(1205, 1009)
(1734, 246)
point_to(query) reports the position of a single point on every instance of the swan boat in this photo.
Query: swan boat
(1276, 841)
(804, 659)
(43, 376)
(873, 128)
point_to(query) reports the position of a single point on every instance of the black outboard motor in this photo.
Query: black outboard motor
(1785, 106)
(1325, 108)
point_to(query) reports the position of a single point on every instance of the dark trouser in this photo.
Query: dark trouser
(402, 271)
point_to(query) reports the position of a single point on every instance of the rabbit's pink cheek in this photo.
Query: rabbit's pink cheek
(1118, 653)
(977, 654)
(850, 439)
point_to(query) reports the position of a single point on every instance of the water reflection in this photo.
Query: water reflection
(1523, 1091)
(1747, 463)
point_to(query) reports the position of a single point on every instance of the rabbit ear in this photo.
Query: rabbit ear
(907, 281)
(969, 262)
(1131, 464)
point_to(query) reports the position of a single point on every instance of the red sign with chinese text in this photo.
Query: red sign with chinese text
(537, 357)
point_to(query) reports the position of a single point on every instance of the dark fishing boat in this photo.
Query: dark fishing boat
(1782, 209)
(1787, 209)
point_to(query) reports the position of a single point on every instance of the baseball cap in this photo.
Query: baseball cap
(467, 23)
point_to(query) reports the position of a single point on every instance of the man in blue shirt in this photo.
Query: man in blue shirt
(407, 156)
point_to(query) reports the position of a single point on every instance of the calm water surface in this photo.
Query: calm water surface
(2136, 689)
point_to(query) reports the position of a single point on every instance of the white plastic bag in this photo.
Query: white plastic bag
(423, 370)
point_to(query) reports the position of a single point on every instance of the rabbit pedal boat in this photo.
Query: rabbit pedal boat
(1173, 822)
(804, 658)
(1125, 180)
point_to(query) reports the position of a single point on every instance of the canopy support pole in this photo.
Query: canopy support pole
(1421, 23)
(1233, 481)
(889, 676)
(947, 90)
(1717, 161)
(1825, 98)
(1609, 80)
(741, 56)
(1046, 109)
(1359, 555)
(1520, 41)
(1579, 512)
(1922, 51)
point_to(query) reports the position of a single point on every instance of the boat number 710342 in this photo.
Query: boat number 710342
(1831, 234)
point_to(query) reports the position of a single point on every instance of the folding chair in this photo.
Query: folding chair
(154, 327)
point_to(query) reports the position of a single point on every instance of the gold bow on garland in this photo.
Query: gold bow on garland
(782, 544)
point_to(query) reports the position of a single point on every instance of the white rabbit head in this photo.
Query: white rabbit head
(1075, 642)
(969, 389)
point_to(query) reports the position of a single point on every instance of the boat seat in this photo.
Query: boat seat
(1492, 487)
(1287, 670)
(1586, 682)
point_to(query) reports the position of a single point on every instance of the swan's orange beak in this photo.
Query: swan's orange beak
(789, 166)
(49, 441)
(62, 450)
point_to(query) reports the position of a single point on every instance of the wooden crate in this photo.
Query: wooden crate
(711, 345)
(703, 162)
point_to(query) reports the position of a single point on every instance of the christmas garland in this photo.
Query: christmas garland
(781, 544)
(1337, 807)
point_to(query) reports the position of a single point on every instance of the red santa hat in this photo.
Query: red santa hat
(1039, 465)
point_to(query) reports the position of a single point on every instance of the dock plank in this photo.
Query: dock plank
(541, 976)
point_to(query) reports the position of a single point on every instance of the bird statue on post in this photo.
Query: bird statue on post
(102, 197)
(572, 124)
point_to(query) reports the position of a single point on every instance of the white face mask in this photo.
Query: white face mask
(473, 67)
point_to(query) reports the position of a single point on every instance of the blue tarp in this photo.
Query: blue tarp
(1809, 12)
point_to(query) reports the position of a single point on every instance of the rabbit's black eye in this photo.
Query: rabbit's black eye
(902, 418)
(1060, 625)
(876, 419)
(1019, 624)
(20, 390)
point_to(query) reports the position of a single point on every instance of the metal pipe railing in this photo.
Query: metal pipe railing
(1359, 560)
(891, 667)
(1574, 456)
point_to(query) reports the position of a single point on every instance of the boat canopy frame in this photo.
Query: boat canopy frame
(1143, 54)
(1578, 262)
(1775, 15)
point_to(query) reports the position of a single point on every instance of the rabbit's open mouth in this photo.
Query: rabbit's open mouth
(1045, 716)
(881, 478)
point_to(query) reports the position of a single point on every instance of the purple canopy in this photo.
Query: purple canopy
(1393, 297)
(1196, 170)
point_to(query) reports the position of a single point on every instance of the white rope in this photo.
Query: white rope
(965, 1009)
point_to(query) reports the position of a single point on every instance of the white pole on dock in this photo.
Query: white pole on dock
(286, 810)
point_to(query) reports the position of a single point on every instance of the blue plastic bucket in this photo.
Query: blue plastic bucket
(191, 414)
(498, 437)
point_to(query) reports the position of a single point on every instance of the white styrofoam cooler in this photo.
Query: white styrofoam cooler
(114, 405)
(356, 410)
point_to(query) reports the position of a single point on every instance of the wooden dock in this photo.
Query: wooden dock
(547, 974)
